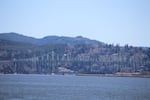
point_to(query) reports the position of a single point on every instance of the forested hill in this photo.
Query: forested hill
(48, 39)
(22, 54)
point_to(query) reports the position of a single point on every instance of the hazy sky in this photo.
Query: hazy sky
(109, 21)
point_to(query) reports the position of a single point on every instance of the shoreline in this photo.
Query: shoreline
(118, 75)
(147, 75)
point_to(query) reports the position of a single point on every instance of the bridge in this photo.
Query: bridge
(49, 62)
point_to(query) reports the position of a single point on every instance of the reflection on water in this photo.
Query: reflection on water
(57, 87)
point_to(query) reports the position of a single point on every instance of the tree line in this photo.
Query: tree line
(81, 58)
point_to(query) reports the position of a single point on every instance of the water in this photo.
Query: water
(57, 87)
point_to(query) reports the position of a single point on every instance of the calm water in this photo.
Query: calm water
(57, 87)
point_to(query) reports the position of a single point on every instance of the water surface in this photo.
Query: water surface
(57, 87)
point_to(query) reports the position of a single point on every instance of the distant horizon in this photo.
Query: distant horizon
(110, 21)
(72, 37)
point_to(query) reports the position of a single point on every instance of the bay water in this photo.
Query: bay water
(71, 87)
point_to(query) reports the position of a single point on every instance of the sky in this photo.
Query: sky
(110, 21)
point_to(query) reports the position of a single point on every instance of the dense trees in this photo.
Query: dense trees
(17, 57)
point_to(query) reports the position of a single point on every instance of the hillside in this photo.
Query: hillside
(22, 54)
(48, 39)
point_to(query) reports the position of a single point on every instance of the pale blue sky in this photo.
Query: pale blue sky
(109, 21)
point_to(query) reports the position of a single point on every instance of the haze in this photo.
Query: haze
(110, 21)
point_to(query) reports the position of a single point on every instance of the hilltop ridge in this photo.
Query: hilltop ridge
(49, 39)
